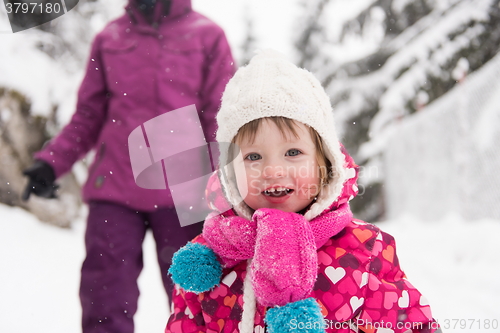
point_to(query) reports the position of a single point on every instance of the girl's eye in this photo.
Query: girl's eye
(253, 157)
(293, 152)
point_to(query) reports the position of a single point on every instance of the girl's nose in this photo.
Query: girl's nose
(273, 171)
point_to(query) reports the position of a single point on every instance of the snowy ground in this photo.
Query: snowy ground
(453, 262)
(40, 276)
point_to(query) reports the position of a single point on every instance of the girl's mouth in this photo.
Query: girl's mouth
(277, 192)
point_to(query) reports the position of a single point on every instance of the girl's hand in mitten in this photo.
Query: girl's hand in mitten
(284, 268)
(232, 238)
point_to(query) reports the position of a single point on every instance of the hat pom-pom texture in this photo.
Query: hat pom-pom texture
(302, 316)
(195, 268)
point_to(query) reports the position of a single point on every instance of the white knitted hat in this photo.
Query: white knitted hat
(270, 85)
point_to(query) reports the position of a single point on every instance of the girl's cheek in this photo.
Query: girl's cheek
(314, 190)
(252, 173)
(310, 189)
(241, 181)
(253, 169)
(254, 187)
(242, 188)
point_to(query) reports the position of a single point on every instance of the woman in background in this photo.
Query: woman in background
(158, 57)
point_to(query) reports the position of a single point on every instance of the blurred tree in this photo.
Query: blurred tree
(382, 60)
(61, 47)
(21, 134)
(249, 45)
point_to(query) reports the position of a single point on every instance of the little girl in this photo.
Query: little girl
(281, 251)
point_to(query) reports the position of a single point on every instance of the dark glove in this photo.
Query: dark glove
(41, 181)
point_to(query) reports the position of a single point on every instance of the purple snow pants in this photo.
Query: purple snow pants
(113, 239)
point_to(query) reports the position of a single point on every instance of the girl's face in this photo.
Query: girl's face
(278, 172)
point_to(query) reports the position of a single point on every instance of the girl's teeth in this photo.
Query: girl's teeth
(278, 189)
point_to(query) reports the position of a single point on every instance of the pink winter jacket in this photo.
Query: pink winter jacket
(359, 286)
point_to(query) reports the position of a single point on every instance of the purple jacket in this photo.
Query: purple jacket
(136, 72)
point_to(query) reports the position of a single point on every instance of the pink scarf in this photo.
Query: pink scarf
(283, 247)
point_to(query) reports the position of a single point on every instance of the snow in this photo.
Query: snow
(336, 47)
(338, 12)
(448, 151)
(453, 262)
(51, 81)
(40, 277)
(27, 67)
(420, 52)
(273, 21)
(4, 23)
(399, 5)
(425, 54)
